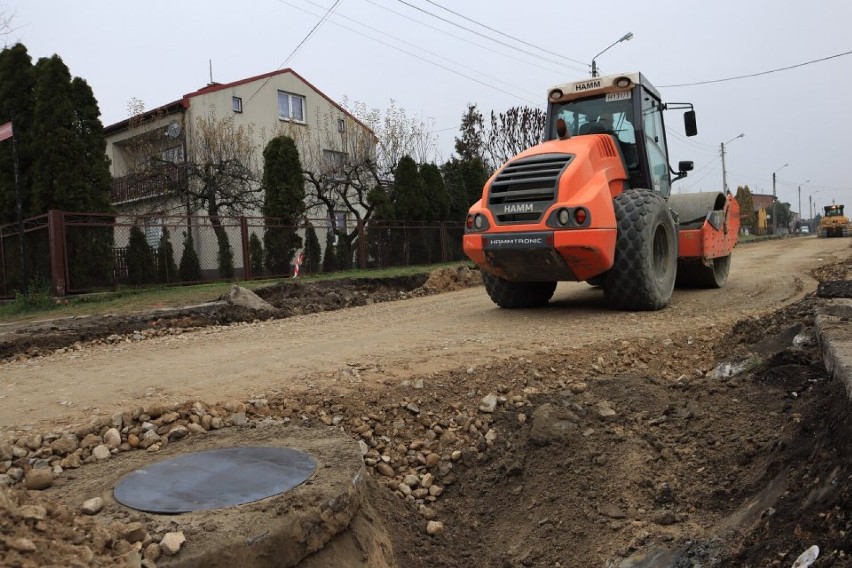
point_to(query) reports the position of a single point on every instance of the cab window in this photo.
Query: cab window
(655, 145)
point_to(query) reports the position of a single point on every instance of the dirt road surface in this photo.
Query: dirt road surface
(385, 342)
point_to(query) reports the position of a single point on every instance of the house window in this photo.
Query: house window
(173, 155)
(334, 159)
(341, 125)
(237, 104)
(337, 226)
(291, 107)
(153, 232)
(335, 163)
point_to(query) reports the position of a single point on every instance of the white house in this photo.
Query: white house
(149, 152)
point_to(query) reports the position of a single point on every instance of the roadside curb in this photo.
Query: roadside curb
(833, 324)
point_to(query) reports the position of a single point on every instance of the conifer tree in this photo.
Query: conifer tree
(256, 255)
(283, 202)
(225, 257)
(62, 160)
(344, 254)
(167, 270)
(329, 259)
(438, 210)
(464, 180)
(746, 203)
(436, 193)
(411, 206)
(410, 201)
(379, 236)
(17, 86)
(141, 266)
(313, 251)
(70, 168)
(190, 267)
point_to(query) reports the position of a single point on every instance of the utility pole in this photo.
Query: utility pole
(800, 200)
(724, 170)
(775, 201)
(774, 208)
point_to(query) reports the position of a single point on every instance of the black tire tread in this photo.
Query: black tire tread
(517, 295)
(632, 283)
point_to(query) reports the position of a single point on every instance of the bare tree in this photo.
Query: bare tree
(135, 107)
(512, 132)
(397, 135)
(223, 169)
(346, 163)
(6, 28)
(340, 168)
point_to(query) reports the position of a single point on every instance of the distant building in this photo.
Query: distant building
(763, 211)
(149, 153)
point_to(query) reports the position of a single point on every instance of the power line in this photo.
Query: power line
(707, 173)
(416, 56)
(811, 185)
(503, 43)
(693, 145)
(497, 79)
(298, 47)
(708, 164)
(758, 74)
(504, 34)
(829, 187)
(460, 38)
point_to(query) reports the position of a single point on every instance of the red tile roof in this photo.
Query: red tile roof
(762, 200)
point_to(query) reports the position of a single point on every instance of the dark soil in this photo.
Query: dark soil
(680, 475)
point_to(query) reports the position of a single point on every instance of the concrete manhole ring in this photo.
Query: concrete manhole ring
(275, 530)
(214, 479)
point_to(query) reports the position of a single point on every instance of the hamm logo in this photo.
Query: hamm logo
(518, 208)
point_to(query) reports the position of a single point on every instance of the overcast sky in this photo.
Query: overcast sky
(407, 50)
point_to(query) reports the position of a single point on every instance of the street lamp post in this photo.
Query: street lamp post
(800, 199)
(724, 171)
(625, 37)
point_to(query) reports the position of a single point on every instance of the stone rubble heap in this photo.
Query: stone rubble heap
(413, 437)
(411, 450)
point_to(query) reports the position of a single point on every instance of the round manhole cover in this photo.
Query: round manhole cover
(214, 479)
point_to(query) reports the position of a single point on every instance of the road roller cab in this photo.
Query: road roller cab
(593, 203)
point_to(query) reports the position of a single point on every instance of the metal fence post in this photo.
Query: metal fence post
(58, 261)
(3, 265)
(362, 245)
(445, 257)
(245, 242)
